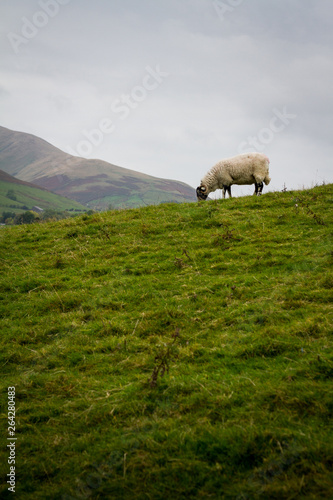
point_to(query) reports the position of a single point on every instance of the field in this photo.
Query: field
(26, 197)
(171, 352)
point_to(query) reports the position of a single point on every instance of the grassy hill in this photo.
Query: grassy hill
(172, 352)
(94, 183)
(27, 195)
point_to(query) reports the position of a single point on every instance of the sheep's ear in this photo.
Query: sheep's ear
(203, 189)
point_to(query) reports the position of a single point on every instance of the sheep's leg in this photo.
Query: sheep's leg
(258, 188)
(226, 189)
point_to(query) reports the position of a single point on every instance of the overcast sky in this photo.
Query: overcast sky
(170, 87)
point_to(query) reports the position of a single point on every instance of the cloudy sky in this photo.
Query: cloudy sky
(170, 87)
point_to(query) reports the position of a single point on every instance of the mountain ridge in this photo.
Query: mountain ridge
(93, 182)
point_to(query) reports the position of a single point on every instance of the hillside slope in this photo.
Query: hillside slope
(94, 183)
(172, 352)
(27, 195)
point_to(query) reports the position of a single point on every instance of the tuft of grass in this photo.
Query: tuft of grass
(163, 359)
(238, 406)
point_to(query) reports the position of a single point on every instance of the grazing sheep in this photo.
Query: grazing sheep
(248, 168)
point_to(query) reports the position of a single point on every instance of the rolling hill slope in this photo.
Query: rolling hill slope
(180, 351)
(94, 183)
(27, 195)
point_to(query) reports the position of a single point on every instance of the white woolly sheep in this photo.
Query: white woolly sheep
(248, 168)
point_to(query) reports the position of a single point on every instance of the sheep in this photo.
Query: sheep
(248, 168)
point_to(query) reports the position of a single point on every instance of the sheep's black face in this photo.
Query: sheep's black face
(201, 190)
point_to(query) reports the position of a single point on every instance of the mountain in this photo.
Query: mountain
(94, 183)
(17, 196)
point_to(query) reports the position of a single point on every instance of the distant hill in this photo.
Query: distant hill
(94, 183)
(17, 196)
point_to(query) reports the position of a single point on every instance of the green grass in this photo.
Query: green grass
(231, 300)
(27, 196)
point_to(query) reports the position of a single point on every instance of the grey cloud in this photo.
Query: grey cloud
(226, 78)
